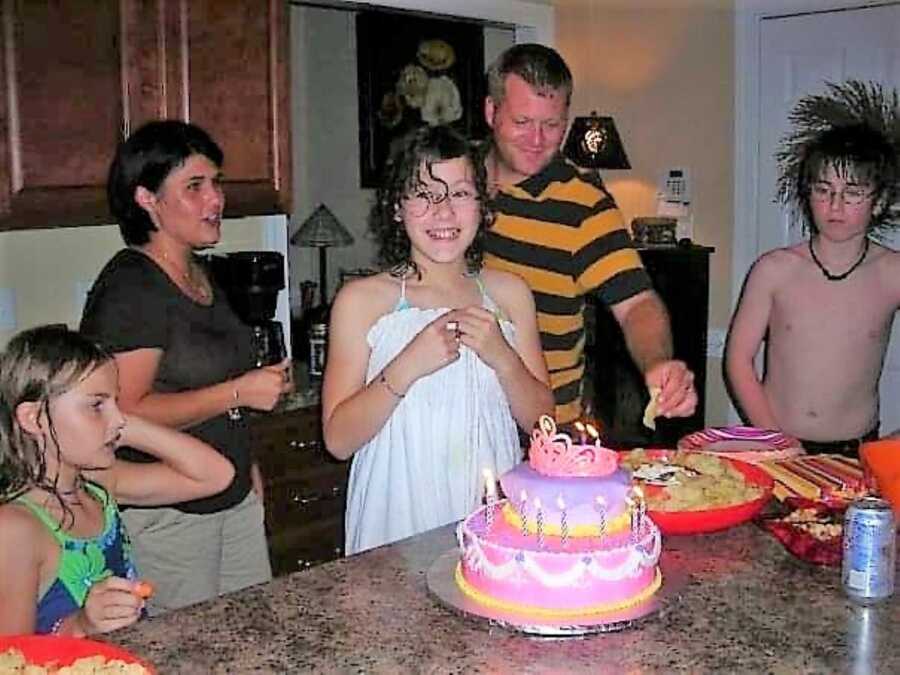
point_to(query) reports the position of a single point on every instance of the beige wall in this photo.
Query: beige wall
(325, 132)
(49, 270)
(665, 72)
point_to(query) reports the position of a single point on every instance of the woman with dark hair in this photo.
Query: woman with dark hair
(184, 358)
(434, 361)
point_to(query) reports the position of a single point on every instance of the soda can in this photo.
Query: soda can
(870, 550)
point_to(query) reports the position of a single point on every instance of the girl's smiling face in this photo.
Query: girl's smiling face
(86, 421)
(441, 212)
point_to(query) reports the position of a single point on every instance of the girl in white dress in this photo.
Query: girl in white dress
(432, 363)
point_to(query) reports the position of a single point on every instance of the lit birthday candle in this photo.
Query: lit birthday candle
(490, 490)
(563, 521)
(580, 428)
(539, 517)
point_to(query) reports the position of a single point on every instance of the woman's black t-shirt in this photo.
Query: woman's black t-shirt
(135, 305)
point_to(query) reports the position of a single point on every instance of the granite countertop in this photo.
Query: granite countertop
(745, 606)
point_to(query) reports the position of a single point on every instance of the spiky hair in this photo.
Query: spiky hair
(855, 127)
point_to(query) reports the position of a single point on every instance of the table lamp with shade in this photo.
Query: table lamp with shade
(322, 230)
(593, 142)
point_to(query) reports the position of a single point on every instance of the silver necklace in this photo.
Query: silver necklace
(197, 287)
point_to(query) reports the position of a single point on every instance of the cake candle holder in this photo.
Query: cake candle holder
(539, 519)
(490, 488)
(600, 505)
(563, 521)
(642, 507)
(523, 512)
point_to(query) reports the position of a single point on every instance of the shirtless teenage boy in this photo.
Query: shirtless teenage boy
(824, 306)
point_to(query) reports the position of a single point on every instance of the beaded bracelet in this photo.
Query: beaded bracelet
(387, 385)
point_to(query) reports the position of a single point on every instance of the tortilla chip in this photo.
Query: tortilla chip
(650, 411)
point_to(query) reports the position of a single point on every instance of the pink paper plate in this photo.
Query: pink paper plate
(749, 444)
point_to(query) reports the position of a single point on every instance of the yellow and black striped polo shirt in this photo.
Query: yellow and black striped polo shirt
(562, 232)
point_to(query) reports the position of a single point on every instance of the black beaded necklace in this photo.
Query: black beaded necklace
(838, 277)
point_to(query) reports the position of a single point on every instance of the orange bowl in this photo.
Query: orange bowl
(713, 520)
(64, 651)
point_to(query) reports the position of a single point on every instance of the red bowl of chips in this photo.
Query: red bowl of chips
(713, 519)
(58, 651)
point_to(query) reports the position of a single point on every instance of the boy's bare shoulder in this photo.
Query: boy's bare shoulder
(887, 261)
(780, 262)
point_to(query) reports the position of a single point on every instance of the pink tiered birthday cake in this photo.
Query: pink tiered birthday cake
(571, 539)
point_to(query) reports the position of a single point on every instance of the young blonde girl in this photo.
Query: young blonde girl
(433, 362)
(65, 564)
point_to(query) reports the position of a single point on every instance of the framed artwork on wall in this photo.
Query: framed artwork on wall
(414, 70)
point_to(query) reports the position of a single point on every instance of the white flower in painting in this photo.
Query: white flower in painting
(412, 85)
(442, 102)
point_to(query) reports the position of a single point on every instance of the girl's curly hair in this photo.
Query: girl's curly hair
(410, 155)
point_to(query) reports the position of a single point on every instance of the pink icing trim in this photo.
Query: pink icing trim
(552, 453)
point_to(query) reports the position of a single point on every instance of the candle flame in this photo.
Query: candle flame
(560, 503)
(579, 426)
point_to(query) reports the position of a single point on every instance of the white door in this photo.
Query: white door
(798, 54)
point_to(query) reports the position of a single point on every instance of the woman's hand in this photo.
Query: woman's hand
(112, 603)
(261, 388)
(479, 330)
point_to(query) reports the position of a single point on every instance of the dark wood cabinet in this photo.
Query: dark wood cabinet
(305, 489)
(680, 275)
(79, 76)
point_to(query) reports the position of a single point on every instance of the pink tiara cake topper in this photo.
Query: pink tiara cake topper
(552, 453)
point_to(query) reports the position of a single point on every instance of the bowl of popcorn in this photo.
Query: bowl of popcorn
(694, 492)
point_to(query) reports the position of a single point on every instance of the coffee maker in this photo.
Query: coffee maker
(251, 281)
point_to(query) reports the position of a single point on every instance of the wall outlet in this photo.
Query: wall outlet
(715, 343)
(7, 309)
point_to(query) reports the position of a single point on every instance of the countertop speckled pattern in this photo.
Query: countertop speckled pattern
(747, 607)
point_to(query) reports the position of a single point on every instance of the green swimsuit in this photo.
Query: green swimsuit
(82, 562)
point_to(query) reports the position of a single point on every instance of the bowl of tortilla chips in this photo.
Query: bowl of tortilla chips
(693, 492)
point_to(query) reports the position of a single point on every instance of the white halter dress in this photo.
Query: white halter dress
(424, 468)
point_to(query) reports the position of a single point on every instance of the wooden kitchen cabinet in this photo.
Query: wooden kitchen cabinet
(305, 489)
(680, 275)
(79, 76)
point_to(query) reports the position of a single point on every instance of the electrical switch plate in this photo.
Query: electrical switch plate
(7, 309)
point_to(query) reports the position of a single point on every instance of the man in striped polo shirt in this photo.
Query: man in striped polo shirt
(559, 229)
